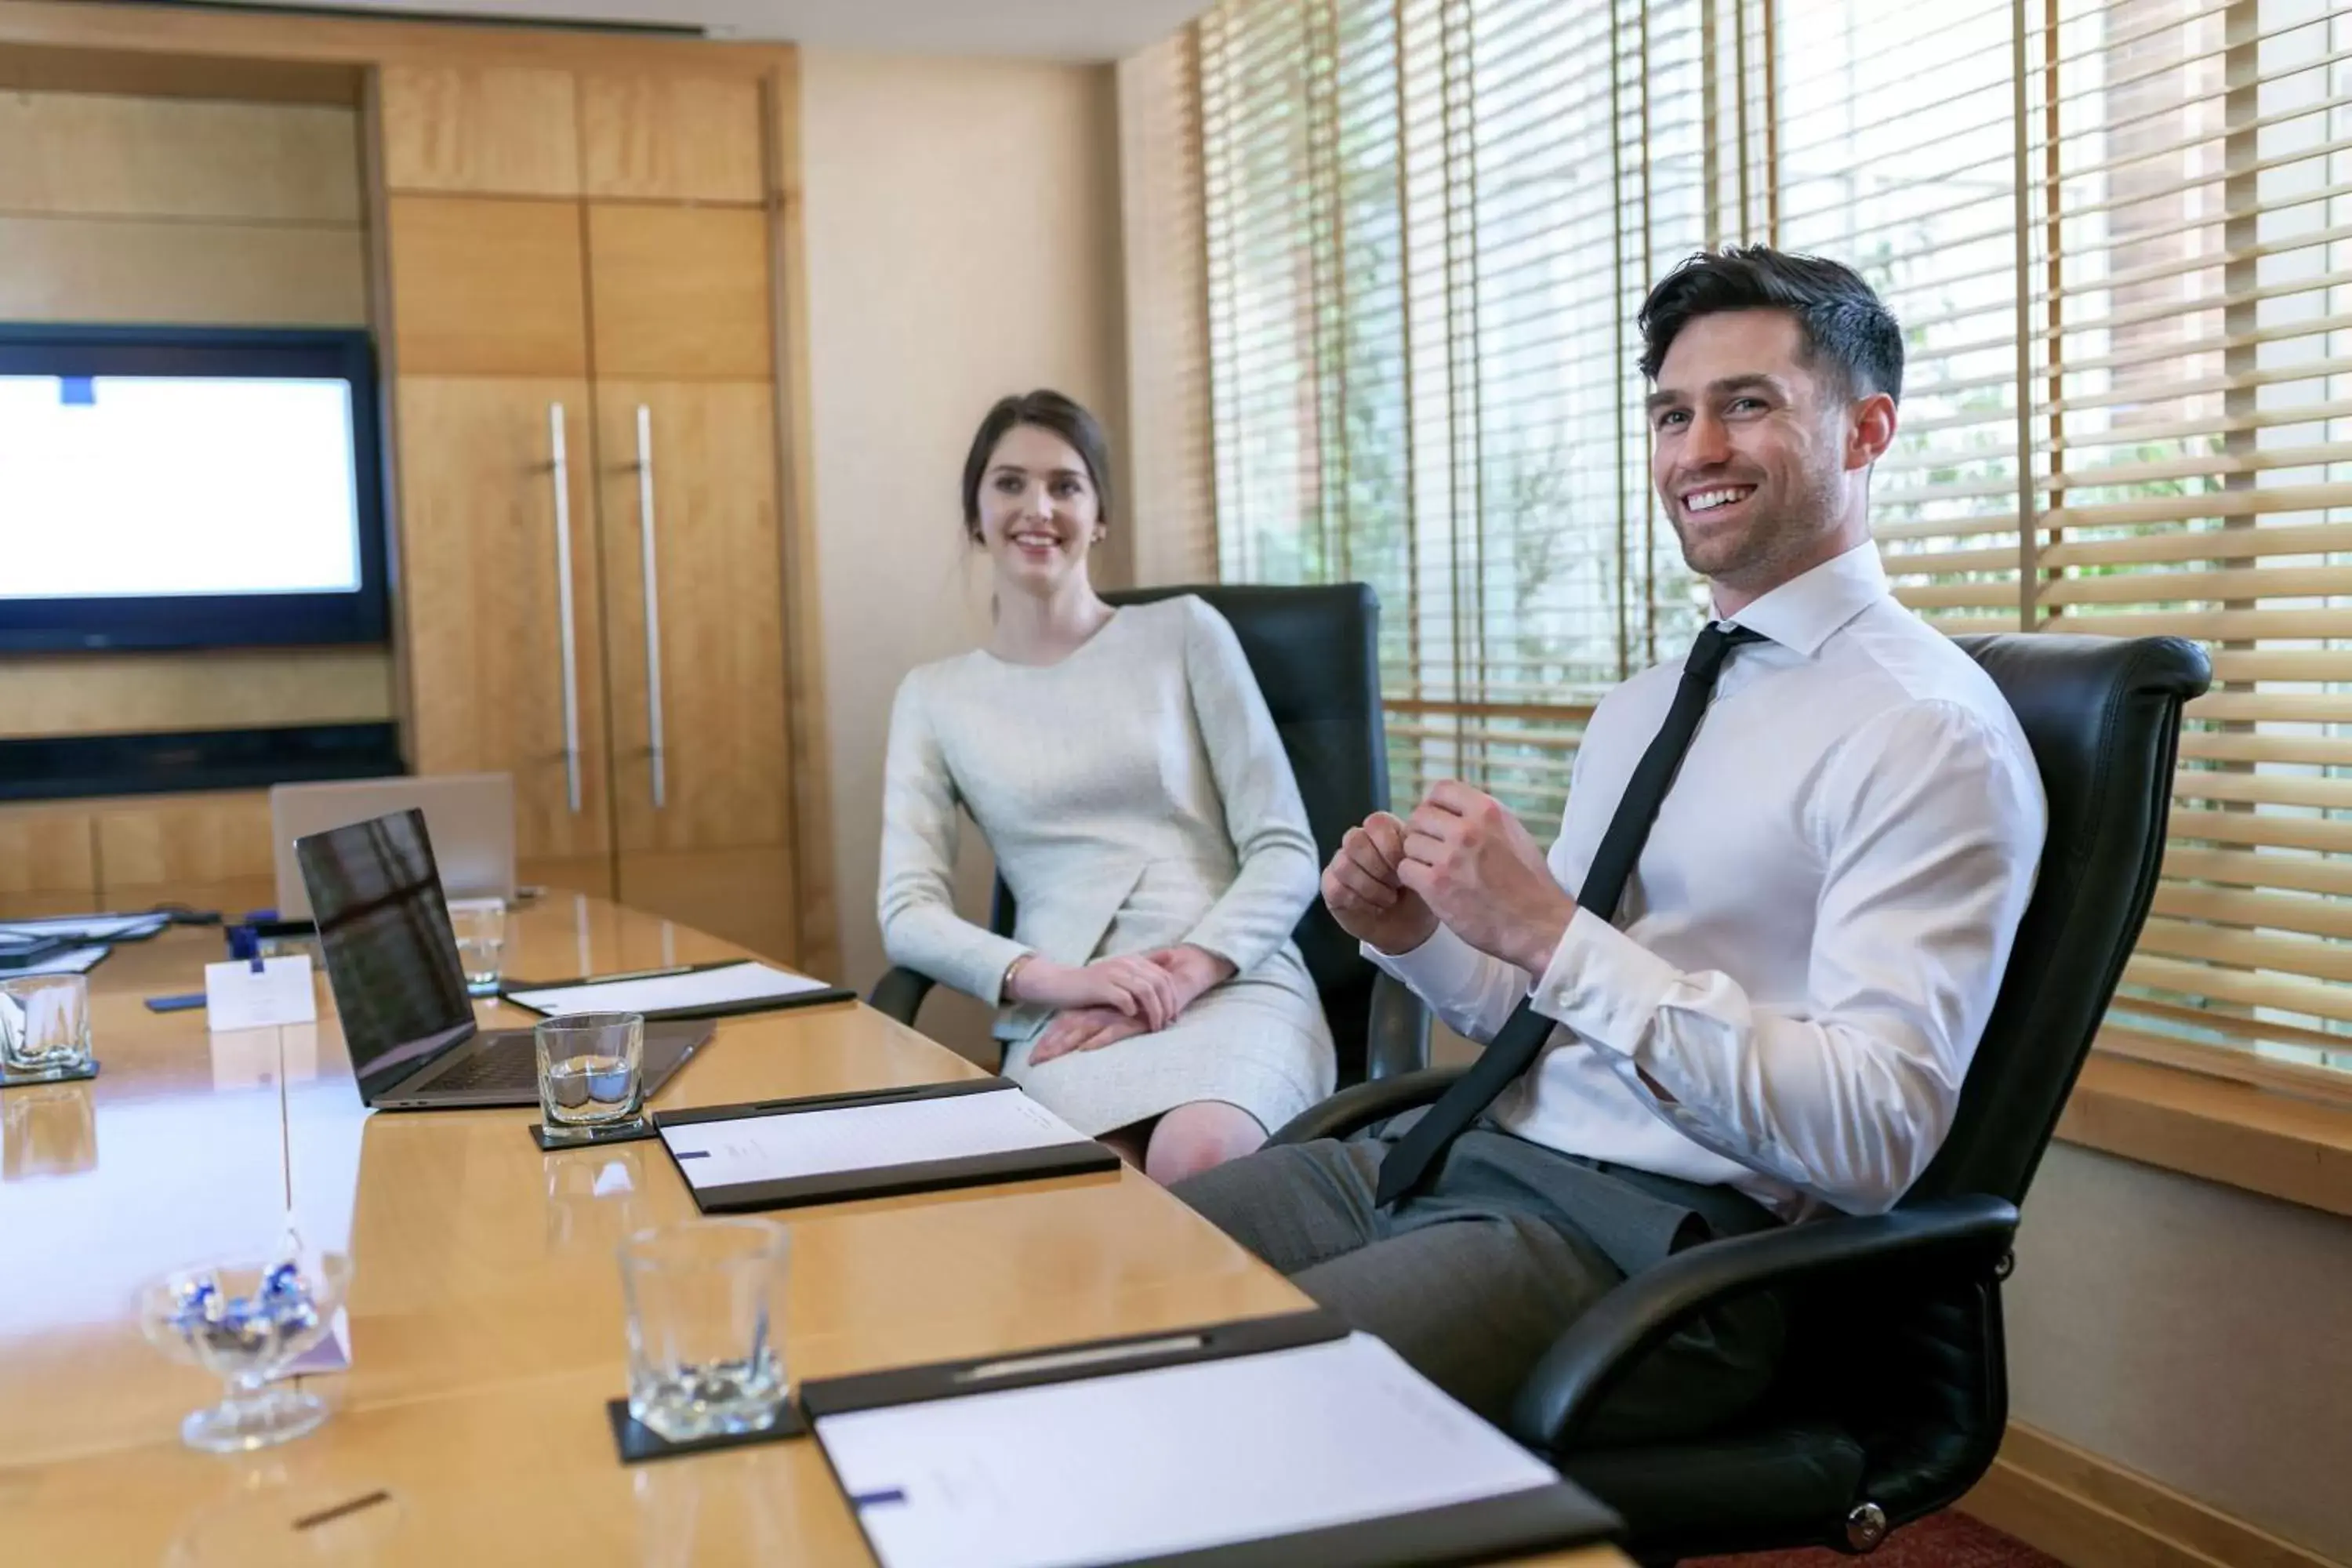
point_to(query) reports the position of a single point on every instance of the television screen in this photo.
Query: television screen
(185, 488)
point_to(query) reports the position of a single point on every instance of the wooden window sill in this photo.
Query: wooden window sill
(2215, 1128)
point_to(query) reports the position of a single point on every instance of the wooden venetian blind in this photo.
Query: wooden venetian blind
(2118, 233)
(1430, 224)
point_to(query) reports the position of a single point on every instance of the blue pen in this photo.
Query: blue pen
(180, 1004)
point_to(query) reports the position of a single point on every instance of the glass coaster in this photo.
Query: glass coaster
(639, 1442)
(629, 1132)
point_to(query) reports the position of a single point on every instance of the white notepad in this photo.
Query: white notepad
(832, 1141)
(1176, 1458)
(745, 982)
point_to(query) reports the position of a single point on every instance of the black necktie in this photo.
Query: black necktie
(1522, 1036)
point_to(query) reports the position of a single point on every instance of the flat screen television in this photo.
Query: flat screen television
(177, 488)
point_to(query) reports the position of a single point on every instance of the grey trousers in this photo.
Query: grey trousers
(1472, 1279)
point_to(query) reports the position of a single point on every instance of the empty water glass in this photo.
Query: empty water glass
(481, 926)
(706, 1302)
(44, 1025)
(591, 1069)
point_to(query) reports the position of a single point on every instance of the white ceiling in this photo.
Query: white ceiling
(1045, 29)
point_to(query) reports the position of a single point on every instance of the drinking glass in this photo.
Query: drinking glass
(591, 1069)
(44, 1025)
(480, 925)
(706, 1305)
(246, 1323)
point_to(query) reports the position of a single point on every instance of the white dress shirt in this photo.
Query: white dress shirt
(1810, 944)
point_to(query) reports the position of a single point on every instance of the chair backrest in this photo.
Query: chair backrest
(1316, 653)
(2102, 716)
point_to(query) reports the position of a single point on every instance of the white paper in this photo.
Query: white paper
(1176, 1459)
(777, 1147)
(237, 998)
(703, 988)
(73, 961)
(331, 1353)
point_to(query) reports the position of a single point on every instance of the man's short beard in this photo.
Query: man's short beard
(1771, 543)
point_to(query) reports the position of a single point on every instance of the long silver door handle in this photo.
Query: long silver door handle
(653, 605)
(562, 469)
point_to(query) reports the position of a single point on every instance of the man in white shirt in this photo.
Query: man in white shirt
(1745, 984)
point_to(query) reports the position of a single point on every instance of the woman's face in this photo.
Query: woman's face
(1039, 514)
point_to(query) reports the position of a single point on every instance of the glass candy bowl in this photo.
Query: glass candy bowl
(245, 1323)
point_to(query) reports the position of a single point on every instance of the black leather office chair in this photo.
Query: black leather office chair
(1895, 1394)
(1316, 654)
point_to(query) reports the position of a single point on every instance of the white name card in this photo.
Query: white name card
(236, 996)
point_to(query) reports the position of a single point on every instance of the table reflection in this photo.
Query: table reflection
(47, 1130)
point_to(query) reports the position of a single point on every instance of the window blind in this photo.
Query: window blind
(2118, 235)
(1429, 225)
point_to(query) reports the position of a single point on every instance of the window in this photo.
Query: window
(2118, 233)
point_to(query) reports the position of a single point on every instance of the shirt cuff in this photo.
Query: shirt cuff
(1604, 985)
(1442, 970)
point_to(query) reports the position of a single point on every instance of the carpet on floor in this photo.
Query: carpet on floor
(1946, 1539)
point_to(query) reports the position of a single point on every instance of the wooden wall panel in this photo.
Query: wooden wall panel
(487, 287)
(680, 293)
(46, 849)
(163, 841)
(137, 693)
(671, 138)
(103, 269)
(115, 157)
(493, 130)
(34, 68)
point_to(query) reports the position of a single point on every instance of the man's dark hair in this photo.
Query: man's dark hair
(1049, 411)
(1841, 321)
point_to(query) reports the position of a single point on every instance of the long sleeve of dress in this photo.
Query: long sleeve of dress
(916, 898)
(1279, 869)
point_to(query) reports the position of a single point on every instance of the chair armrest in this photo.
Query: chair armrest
(899, 994)
(1963, 1233)
(1396, 1033)
(1353, 1109)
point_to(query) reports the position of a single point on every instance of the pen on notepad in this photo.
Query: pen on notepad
(1056, 1361)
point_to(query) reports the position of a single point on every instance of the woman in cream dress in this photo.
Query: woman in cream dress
(1125, 772)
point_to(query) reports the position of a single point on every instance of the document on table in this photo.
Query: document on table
(1189, 1457)
(776, 1146)
(72, 960)
(734, 983)
(91, 928)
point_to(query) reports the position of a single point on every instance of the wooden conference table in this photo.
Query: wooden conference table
(484, 1306)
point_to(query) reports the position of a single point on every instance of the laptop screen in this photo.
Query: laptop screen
(391, 959)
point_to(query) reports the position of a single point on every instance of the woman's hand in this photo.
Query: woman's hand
(1194, 969)
(1087, 1029)
(1189, 972)
(1135, 987)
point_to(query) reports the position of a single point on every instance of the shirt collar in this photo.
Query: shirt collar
(1802, 613)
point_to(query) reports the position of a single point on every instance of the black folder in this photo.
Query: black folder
(1069, 1159)
(508, 989)
(1538, 1518)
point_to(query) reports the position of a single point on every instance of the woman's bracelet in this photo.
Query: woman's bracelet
(1005, 981)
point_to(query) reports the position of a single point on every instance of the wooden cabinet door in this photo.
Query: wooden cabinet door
(490, 130)
(694, 647)
(656, 135)
(492, 687)
(485, 286)
(679, 293)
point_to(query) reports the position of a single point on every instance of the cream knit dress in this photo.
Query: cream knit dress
(1136, 796)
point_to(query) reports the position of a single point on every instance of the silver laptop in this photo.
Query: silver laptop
(471, 816)
(399, 995)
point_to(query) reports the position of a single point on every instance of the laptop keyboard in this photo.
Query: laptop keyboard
(503, 1064)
